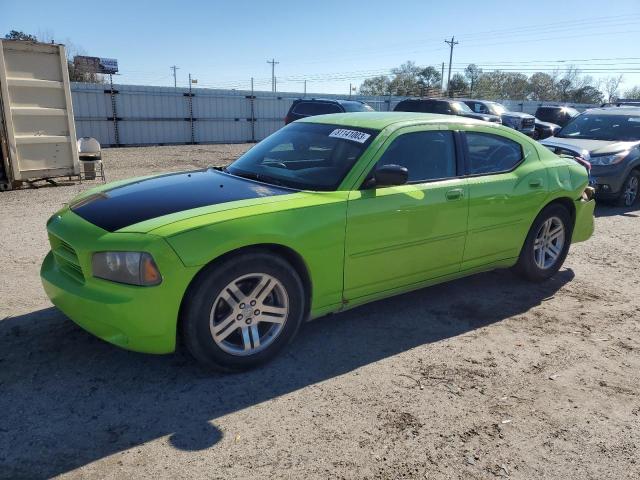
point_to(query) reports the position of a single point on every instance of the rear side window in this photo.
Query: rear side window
(489, 153)
(426, 155)
(439, 107)
(316, 108)
(408, 106)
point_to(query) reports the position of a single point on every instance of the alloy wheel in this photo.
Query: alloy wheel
(249, 314)
(549, 243)
(630, 192)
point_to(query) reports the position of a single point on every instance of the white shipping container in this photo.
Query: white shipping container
(36, 115)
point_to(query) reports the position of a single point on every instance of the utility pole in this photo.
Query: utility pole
(451, 44)
(349, 90)
(193, 133)
(273, 73)
(174, 68)
(305, 88)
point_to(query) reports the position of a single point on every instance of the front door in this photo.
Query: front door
(401, 235)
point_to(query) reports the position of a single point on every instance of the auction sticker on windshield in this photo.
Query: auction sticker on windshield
(353, 135)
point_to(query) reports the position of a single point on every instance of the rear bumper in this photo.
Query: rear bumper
(584, 224)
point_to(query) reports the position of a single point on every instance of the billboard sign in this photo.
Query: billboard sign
(95, 64)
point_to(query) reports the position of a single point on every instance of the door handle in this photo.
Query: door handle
(455, 194)
(535, 182)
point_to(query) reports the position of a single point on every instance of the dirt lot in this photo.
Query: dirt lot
(480, 378)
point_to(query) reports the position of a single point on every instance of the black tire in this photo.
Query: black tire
(527, 266)
(623, 200)
(200, 298)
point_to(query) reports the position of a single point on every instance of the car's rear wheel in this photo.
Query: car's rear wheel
(547, 244)
(630, 188)
(241, 312)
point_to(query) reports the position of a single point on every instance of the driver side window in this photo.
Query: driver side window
(428, 155)
(489, 153)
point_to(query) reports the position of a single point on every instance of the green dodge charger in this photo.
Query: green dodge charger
(328, 213)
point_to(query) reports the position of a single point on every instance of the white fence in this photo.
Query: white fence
(142, 115)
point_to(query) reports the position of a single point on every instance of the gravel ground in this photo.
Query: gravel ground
(484, 377)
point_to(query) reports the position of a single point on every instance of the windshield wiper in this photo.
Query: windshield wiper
(258, 177)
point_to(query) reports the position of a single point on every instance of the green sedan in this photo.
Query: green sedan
(327, 213)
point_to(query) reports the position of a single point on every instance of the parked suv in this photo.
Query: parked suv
(523, 122)
(558, 115)
(609, 139)
(309, 107)
(445, 106)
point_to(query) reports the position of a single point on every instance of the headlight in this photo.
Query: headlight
(510, 122)
(133, 268)
(609, 159)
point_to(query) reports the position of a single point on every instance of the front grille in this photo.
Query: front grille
(66, 258)
(528, 122)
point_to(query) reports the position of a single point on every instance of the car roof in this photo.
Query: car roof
(328, 100)
(542, 107)
(381, 120)
(475, 100)
(621, 110)
(429, 100)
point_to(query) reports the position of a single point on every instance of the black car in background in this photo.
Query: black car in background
(309, 107)
(545, 129)
(444, 106)
(557, 115)
(609, 139)
(520, 121)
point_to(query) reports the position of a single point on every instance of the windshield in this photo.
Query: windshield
(357, 107)
(497, 108)
(460, 106)
(602, 127)
(306, 156)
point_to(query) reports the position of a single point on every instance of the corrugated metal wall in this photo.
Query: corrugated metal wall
(161, 115)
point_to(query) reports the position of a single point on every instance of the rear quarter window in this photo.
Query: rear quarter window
(488, 153)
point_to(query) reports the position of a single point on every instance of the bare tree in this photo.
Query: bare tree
(611, 86)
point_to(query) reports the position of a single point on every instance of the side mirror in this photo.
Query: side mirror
(388, 175)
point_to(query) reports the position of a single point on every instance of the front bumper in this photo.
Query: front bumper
(142, 319)
(608, 181)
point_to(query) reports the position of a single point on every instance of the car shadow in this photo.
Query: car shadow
(609, 210)
(69, 399)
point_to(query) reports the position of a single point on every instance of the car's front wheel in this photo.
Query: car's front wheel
(629, 195)
(241, 312)
(547, 244)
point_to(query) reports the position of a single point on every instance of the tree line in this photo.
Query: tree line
(569, 85)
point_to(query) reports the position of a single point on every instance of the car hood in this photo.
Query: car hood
(589, 148)
(481, 116)
(168, 196)
(550, 125)
(517, 115)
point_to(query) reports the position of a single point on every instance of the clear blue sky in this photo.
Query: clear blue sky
(334, 43)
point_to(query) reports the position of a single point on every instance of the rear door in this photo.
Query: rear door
(399, 236)
(507, 186)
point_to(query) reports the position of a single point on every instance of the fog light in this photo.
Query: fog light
(605, 187)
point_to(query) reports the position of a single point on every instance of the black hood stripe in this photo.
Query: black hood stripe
(136, 202)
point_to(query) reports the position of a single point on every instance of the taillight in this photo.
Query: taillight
(287, 119)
